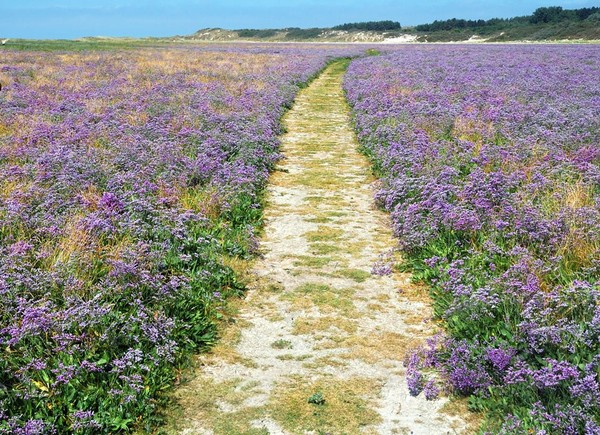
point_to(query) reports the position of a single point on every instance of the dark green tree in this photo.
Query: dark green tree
(547, 15)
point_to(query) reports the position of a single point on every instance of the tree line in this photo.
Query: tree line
(550, 14)
(379, 26)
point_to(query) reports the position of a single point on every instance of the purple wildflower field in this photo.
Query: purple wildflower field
(127, 179)
(489, 159)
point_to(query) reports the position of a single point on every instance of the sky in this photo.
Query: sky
(53, 19)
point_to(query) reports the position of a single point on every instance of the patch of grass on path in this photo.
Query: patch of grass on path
(210, 405)
(326, 298)
(345, 410)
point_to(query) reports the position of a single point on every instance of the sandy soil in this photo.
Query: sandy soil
(319, 343)
(403, 39)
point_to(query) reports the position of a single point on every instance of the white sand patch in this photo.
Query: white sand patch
(402, 39)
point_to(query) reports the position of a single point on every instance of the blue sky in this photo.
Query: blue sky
(77, 18)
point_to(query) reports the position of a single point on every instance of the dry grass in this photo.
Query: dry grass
(312, 262)
(230, 334)
(578, 195)
(7, 187)
(338, 202)
(76, 242)
(324, 248)
(346, 409)
(414, 317)
(324, 234)
(80, 249)
(201, 200)
(458, 407)
(326, 362)
(323, 219)
(577, 250)
(315, 325)
(473, 130)
(318, 179)
(5, 130)
(219, 405)
(327, 299)
(376, 307)
(356, 275)
(376, 347)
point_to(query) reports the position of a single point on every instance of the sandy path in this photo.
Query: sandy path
(316, 324)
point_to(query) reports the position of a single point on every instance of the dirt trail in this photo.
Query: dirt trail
(319, 342)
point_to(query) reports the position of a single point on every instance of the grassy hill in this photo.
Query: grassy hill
(294, 34)
(544, 24)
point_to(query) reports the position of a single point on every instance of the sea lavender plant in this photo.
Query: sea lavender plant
(126, 180)
(489, 165)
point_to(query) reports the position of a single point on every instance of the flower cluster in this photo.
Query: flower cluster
(126, 178)
(489, 159)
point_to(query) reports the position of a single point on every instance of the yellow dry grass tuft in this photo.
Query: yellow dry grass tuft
(578, 195)
(314, 325)
(473, 130)
(577, 250)
(202, 201)
(5, 130)
(356, 275)
(327, 299)
(7, 187)
(324, 234)
(77, 241)
(379, 346)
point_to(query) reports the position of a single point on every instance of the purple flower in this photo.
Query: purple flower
(414, 380)
(84, 420)
(431, 390)
(19, 248)
(110, 202)
(500, 358)
(414, 377)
